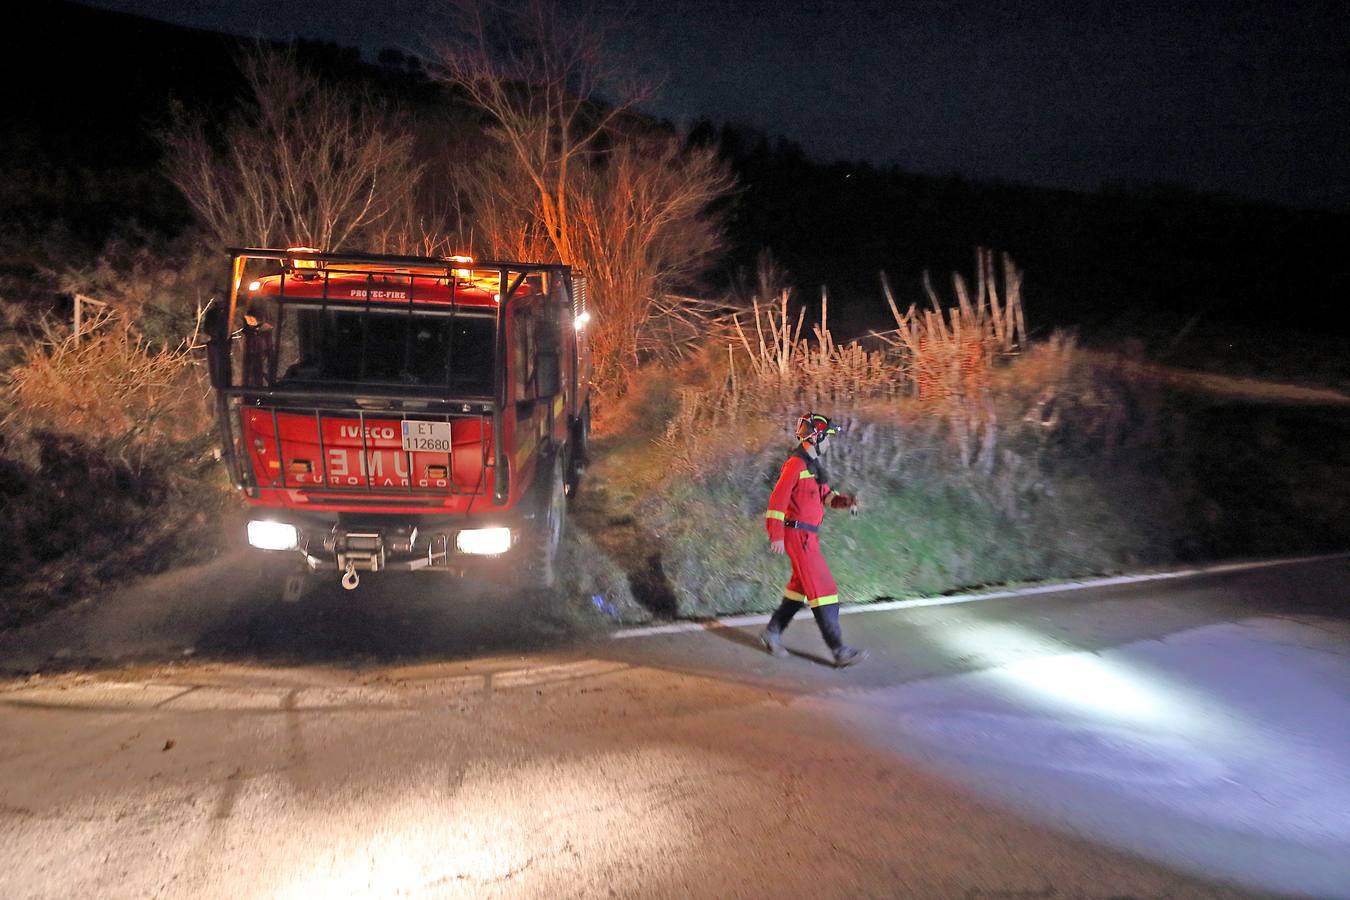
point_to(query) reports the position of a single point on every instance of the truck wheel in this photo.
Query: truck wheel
(581, 449)
(545, 538)
(581, 445)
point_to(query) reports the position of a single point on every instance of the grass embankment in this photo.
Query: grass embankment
(1129, 472)
(923, 531)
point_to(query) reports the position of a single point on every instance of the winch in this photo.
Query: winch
(363, 549)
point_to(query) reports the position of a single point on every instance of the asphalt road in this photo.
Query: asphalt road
(1186, 738)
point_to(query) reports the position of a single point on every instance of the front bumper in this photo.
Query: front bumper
(391, 543)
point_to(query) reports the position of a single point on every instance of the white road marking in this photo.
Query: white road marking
(107, 694)
(953, 599)
(187, 697)
(562, 672)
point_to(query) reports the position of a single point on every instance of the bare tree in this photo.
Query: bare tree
(578, 179)
(506, 222)
(538, 74)
(642, 228)
(304, 163)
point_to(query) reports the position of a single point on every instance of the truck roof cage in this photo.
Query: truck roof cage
(384, 259)
(372, 264)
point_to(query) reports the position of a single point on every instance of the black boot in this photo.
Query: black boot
(827, 618)
(848, 656)
(772, 635)
(773, 643)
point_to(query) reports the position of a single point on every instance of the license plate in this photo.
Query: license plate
(431, 437)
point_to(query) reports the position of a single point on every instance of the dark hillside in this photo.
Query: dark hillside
(1127, 260)
(84, 91)
(1203, 279)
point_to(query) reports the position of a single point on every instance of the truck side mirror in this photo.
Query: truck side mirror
(548, 356)
(217, 327)
(549, 373)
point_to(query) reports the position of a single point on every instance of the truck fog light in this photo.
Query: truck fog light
(272, 535)
(484, 541)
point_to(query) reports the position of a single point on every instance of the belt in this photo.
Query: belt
(804, 526)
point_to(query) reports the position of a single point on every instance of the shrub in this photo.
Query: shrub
(109, 390)
(157, 291)
(575, 174)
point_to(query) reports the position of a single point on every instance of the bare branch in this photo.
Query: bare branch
(305, 163)
(573, 179)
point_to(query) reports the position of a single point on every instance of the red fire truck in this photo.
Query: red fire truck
(388, 413)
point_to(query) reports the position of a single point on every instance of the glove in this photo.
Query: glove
(845, 501)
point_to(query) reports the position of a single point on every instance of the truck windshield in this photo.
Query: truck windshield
(395, 348)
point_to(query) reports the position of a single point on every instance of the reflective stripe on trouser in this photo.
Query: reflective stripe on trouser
(811, 581)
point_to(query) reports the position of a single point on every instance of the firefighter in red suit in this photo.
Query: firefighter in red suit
(796, 508)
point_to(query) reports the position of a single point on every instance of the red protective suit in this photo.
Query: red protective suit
(799, 499)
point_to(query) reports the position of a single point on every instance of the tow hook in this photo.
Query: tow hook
(349, 578)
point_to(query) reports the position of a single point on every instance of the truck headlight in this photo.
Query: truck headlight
(484, 541)
(272, 535)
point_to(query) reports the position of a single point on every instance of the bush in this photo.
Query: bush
(157, 291)
(108, 390)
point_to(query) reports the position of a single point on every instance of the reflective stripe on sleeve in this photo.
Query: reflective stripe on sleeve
(793, 595)
(823, 601)
(775, 514)
(805, 473)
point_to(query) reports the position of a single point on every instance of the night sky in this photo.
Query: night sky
(1242, 97)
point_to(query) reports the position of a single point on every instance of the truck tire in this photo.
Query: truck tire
(581, 449)
(543, 539)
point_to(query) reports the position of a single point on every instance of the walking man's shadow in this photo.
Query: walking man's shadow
(747, 639)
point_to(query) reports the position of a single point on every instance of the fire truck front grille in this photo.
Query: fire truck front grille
(361, 456)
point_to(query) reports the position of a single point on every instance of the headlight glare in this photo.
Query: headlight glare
(484, 541)
(272, 535)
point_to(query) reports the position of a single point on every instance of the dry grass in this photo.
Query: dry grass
(952, 351)
(108, 388)
(818, 370)
(944, 358)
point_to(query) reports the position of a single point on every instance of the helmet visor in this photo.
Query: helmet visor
(814, 426)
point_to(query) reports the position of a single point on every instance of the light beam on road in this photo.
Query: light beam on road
(1045, 670)
(554, 825)
(1221, 750)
